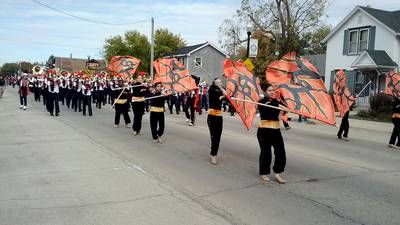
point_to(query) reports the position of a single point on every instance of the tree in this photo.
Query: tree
(313, 40)
(50, 62)
(9, 69)
(137, 45)
(26, 67)
(286, 20)
(166, 42)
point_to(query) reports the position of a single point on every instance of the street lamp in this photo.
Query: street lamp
(248, 29)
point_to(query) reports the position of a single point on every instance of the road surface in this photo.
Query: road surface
(80, 170)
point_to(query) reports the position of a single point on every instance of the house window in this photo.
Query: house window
(353, 42)
(198, 62)
(182, 60)
(363, 40)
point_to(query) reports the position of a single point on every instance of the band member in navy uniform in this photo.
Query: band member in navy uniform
(87, 95)
(53, 97)
(139, 92)
(214, 118)
(121, 105)
(269, 135)
(157, 118)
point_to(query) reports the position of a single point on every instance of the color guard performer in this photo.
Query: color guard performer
(139, 92)
(396, 122)
(214, 119)
(157, 118)
(121, 105)
(269, 135)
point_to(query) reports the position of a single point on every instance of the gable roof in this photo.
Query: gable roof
(186, 51)
(388, 19)
(375, 59)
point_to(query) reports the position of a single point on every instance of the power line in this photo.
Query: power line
(48, 44)
(37, 32)
(86, 19)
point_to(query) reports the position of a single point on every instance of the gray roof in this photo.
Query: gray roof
(186, 50)
(389, 18)
(381, 58)
(319, 61)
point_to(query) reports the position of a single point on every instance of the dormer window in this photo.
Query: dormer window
(363, 40)
(353, 42)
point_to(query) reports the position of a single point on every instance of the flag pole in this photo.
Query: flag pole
(261, 104)
(119, 96)
(362, 90)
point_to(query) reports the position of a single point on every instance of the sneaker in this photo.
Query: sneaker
(187, 120)
(264, 178)
(21, 107)
(160, 140)
(191, 124)
(345, 139)
(155, 141)
(279, 179)
(213, 160)
(116, 126)
(128, 125)
(24, 107)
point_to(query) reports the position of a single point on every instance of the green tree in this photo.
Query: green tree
(166, 42)
(50, 62)
(9, 69)
(26, 67)
(137, 45)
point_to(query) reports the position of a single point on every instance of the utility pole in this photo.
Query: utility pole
(152, 49)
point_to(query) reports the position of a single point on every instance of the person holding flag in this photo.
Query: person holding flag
(121, 105)
(139, 92)
(214, 118)
(157, 118)
(269, 135)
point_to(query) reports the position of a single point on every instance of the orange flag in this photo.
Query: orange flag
(393, 84)
(174, 75)
(342, 95)
(242, 84)
(124, 66)
(302, 88)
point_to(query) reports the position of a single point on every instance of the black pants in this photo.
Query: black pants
(44, 94)
(68, 97)
(395, 133)
(173, 101)
(121, 109)
(62, 96)
(87, 102)
(215, 126)
(138, 111)
(268, 138)
(100, 99)
(52, 102)
(344, 126)
(36, 93)
(157, 118)
(76, 101)
(191, 115)
(22, 99)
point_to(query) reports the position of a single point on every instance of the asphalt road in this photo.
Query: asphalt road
(80, 170)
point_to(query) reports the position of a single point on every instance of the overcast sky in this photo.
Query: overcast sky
(31, 32)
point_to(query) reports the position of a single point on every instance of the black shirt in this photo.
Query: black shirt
(158, 102)
(396, 106)
(214, 94)
(124, 95)
(267, 113)
(140, 91)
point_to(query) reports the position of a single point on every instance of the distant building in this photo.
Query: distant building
(203, 60)
(366, 43)
(74, 64)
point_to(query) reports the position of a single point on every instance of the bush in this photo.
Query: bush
(380, 108)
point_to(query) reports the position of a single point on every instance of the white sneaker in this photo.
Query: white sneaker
(191, 124)
(116, 126)
(21, 107)
(187, 120)
(24, 107)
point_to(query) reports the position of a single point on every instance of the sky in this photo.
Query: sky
(32, 32)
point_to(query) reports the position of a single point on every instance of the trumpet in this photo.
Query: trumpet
(37, 70)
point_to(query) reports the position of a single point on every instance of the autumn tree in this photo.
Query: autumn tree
(286, 21)
(9, 69)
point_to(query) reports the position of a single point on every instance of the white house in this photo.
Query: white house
(366, 43)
